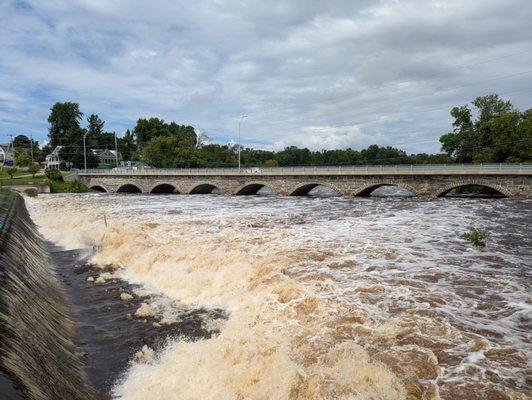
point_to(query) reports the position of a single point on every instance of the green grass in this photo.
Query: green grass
(24, 180)
(3, 173)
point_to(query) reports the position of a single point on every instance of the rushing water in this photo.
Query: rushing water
(322, 298)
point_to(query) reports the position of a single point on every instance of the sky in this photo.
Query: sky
(320, 74)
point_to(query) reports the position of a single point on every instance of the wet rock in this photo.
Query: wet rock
(125, 296)
(145, 354)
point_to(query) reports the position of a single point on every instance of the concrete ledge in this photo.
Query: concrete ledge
(29, 189)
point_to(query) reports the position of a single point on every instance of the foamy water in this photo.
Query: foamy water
(326, 298)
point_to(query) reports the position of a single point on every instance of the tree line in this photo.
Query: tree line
(490, 130)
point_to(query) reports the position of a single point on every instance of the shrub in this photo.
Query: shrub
(11, 171)
(22, 160)
(476, 236)
(54, 175)
(33, 169)
(68, 187)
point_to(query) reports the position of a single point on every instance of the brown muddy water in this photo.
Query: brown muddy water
(295, 298)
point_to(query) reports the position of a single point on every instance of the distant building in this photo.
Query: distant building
(134, 165)
(54, 160)
(106, 157)
(7, 156)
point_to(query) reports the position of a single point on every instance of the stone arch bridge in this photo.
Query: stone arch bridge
(422, 181)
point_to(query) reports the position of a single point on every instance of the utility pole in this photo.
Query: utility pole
(116, 151)
(239, 124)
(31, 147)
(84, 152)
(12, 149)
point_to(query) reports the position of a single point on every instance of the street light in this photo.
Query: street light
(84, 152)
(239, 124)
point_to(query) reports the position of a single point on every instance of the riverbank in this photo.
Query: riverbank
(60, 300)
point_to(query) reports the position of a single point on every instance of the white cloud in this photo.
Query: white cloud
(309, 73)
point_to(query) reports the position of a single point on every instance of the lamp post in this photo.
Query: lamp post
(84, 152)
(116, 151)
(239, 124)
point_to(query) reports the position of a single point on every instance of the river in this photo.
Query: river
(312, 298)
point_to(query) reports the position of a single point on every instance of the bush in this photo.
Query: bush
(54, 175)
(476, 236)
(11, 171)
(22, 160)
(68, 187)
(33, 169)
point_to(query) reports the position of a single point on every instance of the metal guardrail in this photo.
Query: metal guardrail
(525, 168)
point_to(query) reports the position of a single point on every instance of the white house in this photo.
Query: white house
(7, 156)
(54, 160)
(105, 157)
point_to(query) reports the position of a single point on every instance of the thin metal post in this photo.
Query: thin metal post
(31, 147)
(239, 125)
(116, 151)
(84, 153)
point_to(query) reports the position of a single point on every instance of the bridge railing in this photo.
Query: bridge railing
(325, 170)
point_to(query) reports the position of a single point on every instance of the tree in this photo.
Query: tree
(64, 119)
(270, 163)
(94, 131)
(500, 132)
(33, 169)
(11, 171)
(54, 175)
(161, 152)
(22, 160)
(21, 142)
(147, 129)
(128, 147)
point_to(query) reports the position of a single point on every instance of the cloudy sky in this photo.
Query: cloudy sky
(321, 74)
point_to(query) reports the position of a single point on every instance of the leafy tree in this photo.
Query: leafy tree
(21, 142)
(33, 169)
(293, 155)
(64, 119)
(147, 129)
(161, 152)
(215, 155)
(11, 171)
(499, 133)
(22, 160)
(270, 163)
(54, 175)
(128, 147)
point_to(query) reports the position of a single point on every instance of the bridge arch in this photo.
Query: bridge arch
(367, 189)
(303, 189)
(462, 184)
(129, 188)
(99, 188)
(164, 188)
(252, 188)
(205, 188)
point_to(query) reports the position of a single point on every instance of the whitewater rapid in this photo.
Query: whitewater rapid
(325, 298)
